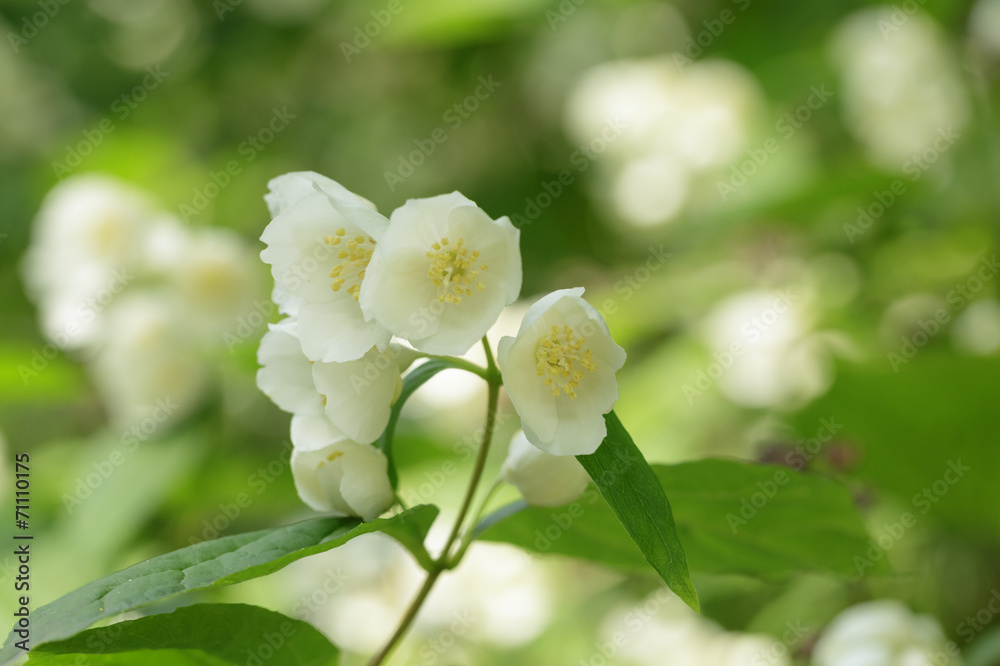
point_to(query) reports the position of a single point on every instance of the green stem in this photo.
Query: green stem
(444, 561)
(470, 533)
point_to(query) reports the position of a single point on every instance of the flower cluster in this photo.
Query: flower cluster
(363, 296)
(139, 296)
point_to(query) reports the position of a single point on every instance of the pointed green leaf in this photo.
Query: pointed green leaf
(636, 497)
(228, 634)
(216, 563)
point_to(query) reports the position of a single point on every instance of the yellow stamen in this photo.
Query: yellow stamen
(561, 359)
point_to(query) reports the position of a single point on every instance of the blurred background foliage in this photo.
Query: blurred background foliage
(364, 99)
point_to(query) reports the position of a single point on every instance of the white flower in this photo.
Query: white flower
(212, 271)
(338, 475)
(355, 396)
(146, 373)
(883, 633)
(543, 479)
(319, 245)
(442, 273)
(86, 244)
(560, 373)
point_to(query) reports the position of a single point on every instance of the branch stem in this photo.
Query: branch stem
(444, 560)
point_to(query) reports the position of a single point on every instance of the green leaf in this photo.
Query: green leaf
(231, 634)
(808, 524)
(216, 563)
(635, 495)
(413, 380)
(938, 414)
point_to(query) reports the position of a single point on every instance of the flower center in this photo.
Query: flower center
(452, 270)
(354, 257)
(561, 359)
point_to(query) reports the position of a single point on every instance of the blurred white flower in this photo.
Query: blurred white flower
(319, 245)
(765, 352)
(884, 633)
(984, 25)
(559, 372)
(543, 479)
(442, 273)
(338, 475)
(146, 369)
(86, 245)
(215, 274)
(901, 85)
(679, 123)
(662, 625)
(356, 396)
(977, 328)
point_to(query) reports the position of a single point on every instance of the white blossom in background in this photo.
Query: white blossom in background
(559, 372)
(977, 328)
(87, 240)
(902, 92)
(662, 625)
(144, 301)
(319, 245)
(765, 353)
(214, 272)
(442, 273)
(884, 633)
(146, 368)
(542, 478)
(678, 124)
(984, 26)
(497, 598)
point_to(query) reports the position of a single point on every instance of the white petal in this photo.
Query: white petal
(337, 332)
(359, 393)
(317, 480)
(399, 292)
(285, 375)
(287, 189)
(365, 486)
(312, 432)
